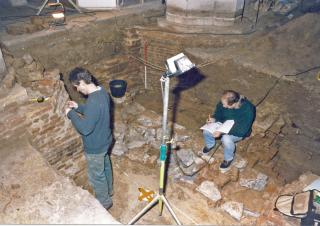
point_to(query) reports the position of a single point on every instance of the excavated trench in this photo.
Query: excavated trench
(284, 143)
(138, 168)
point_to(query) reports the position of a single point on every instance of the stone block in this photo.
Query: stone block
(199, 161)
(188, 179)
(191, 170)
(186, 157)
(250, 213)
(27, 59)
(235, 209)
(119, 149)
(209, 189)
(240, 163)
(256, 182)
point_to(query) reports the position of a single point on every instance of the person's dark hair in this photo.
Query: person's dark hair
(78, 74)
(231, 96)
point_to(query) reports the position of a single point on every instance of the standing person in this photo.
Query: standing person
(231, 106)
(92, 121)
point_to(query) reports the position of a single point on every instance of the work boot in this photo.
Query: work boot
(225, 165)
(107, 207)
(205, 149)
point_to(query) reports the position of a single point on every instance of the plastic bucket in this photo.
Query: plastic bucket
(118, 88)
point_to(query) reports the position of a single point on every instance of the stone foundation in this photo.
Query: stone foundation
(204, 12)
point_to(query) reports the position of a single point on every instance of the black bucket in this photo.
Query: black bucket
(118, 88)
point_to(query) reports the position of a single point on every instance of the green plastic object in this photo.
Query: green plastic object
(163, 152)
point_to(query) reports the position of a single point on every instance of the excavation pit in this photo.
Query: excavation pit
(282, 147)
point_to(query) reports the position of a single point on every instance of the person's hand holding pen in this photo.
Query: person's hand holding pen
(210, 119)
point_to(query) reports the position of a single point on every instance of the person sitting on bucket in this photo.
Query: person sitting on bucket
(231, 106)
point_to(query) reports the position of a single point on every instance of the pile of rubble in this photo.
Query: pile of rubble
(247, 191)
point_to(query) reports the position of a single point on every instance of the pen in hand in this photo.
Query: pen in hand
(209, 120)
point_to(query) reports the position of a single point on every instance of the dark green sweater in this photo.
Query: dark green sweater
(94, 122)
(243, 117)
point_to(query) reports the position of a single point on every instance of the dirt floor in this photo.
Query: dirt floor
(290, 99)
(257, 67)
(254, 68)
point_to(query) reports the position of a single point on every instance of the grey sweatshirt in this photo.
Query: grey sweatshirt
(94, 122)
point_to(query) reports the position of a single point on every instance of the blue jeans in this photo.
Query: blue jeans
(100, 177)
(228, 142)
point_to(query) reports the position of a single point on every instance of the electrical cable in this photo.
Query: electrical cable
(147, 63)
(279, 78)
(269, 91)
(303, 72)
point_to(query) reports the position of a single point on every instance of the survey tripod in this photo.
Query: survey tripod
(57, 1)
(160, 197)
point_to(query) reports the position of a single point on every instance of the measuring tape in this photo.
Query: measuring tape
(39, 99)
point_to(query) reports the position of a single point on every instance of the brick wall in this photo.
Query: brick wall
(51, 132)
(162, 45)
(46, 125)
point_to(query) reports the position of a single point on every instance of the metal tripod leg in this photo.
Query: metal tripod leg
(42, 6)
(46, 2)
(158, 198)
(75, 6)
(144, 210)
(170, 209)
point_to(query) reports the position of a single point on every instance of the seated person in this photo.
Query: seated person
(232, 106)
